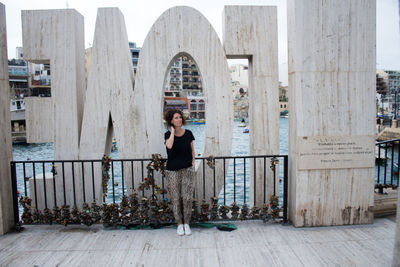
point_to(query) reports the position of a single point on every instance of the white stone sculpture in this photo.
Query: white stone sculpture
(109, 98)
(179, 31)
(57, 37)
(331, 96)
(6, 198)
(255, 37)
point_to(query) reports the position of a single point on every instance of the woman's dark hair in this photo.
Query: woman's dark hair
(169, 115)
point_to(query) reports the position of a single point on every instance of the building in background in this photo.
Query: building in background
(26, 80)
(240, 87)
(240, 74)
(19, 81)
(240, 100)
(390, 97)
(18, 76)
(40, 80)
(135, 51)
(283, 100)
(173, 82)
(183, 89)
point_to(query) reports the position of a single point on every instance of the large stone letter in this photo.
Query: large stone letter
(332, 111)
(6, 198)
(183, 30)
(57, 36)
(251, 32)
(109, 96)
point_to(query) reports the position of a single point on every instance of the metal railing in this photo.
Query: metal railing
(237, 173)
(387, 162)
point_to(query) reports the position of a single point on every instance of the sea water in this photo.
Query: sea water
(240, 147)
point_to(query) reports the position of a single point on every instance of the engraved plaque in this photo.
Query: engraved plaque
(335, 152)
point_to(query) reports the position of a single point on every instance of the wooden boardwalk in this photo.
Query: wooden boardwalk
(253, 244)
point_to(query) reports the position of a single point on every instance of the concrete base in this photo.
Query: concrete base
(389, 134)
(385, 204)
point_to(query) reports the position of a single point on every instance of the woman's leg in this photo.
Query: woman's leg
(187, 193)
(173, 179)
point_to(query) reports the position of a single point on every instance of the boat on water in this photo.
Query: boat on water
(246, 130)
(199, 121)
(242, 123)
(284, 114)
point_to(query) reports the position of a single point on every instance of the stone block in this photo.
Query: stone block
(56, 37)
(39, 120)
(6, 198)
(332, 93)
(109, 97)
(255, 37)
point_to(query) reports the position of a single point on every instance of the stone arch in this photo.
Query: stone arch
(182, 30)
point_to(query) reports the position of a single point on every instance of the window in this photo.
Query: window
(201, 105)
(193, 105)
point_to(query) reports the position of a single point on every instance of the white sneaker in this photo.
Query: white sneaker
(180, 230)
(187, 229)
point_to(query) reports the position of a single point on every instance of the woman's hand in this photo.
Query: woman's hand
(170, 141)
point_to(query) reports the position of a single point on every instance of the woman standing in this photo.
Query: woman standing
(179, 172)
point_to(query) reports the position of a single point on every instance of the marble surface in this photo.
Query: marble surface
(109, 97)
(252, 244)
(39, 120)
(6, 208)
(331, 51)
(255, 37)
(57, 37)
(183, 31)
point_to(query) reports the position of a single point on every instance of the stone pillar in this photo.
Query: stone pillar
(256, 37)
(396, 251)
(331, 59)
(108, 99)
(394, 123)
(6, 200)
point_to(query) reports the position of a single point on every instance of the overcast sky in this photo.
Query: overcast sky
(141, 14)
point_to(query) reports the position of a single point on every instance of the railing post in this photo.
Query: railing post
(14, 191)
(285, 190)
